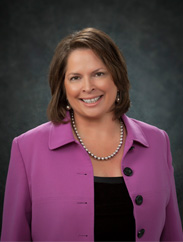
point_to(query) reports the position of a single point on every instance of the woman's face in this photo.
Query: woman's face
(90, 89)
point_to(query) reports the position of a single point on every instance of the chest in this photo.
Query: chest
(62, 185)
(111, 167)
(108, 168)
(68, 172)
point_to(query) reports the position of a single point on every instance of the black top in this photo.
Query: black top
(114, 220)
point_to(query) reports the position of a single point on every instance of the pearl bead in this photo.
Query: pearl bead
(91, 154)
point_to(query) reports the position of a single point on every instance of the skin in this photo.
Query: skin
(88, 78)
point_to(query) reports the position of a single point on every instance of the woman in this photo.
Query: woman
(91, 173)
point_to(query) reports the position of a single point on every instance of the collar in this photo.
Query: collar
(61, 134)
(134, 131)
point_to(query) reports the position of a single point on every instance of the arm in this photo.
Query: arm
(172, 229)
(17, 202)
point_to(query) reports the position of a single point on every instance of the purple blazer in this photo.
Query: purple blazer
(50, 186)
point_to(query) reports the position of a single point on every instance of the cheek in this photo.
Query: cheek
(111, 87)
(112, 90)
(71, 90)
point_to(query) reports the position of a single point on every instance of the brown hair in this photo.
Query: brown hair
(106, 50)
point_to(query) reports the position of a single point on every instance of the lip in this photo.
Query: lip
(93, 103)
(90, 97)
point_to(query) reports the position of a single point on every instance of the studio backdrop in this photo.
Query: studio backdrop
(149, 34)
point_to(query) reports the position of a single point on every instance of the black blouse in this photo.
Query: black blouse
(114, 220)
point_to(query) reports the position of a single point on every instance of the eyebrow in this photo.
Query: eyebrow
(76, 73)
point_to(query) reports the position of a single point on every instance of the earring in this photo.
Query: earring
(118, 97)
(68, 107)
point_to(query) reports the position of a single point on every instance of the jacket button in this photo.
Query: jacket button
(132, 148)
(128, 171)
(141, 233)
(139, 200)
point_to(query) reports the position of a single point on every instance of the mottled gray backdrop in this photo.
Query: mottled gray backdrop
(150, 35)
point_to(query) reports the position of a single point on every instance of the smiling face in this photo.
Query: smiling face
(89, 86)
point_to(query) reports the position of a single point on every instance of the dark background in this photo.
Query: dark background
(150, 35)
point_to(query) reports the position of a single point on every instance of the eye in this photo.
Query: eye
(74, 78)
(99, 74)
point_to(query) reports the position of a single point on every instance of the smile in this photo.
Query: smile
(92, 100)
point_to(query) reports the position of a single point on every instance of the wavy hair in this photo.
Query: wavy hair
(104, 47)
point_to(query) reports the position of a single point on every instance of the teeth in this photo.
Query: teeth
(92, 100)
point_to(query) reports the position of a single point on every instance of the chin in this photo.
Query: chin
(95, 115)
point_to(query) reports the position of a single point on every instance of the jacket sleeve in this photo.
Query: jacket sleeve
(172, 229)
(17, 203)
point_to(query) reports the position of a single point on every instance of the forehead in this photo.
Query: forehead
(85, 58)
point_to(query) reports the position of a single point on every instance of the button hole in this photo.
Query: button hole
(79, 173)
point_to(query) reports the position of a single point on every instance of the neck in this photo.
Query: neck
(98, 137)
(93, 126)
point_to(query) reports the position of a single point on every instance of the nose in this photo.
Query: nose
(88, 85)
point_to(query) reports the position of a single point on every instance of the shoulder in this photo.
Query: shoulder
(37, 131)
(148, 128)
(150, 132)
(35, 136)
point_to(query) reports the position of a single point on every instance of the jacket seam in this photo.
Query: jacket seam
(16, 139)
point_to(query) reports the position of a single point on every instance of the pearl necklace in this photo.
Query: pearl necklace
(90, 153)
